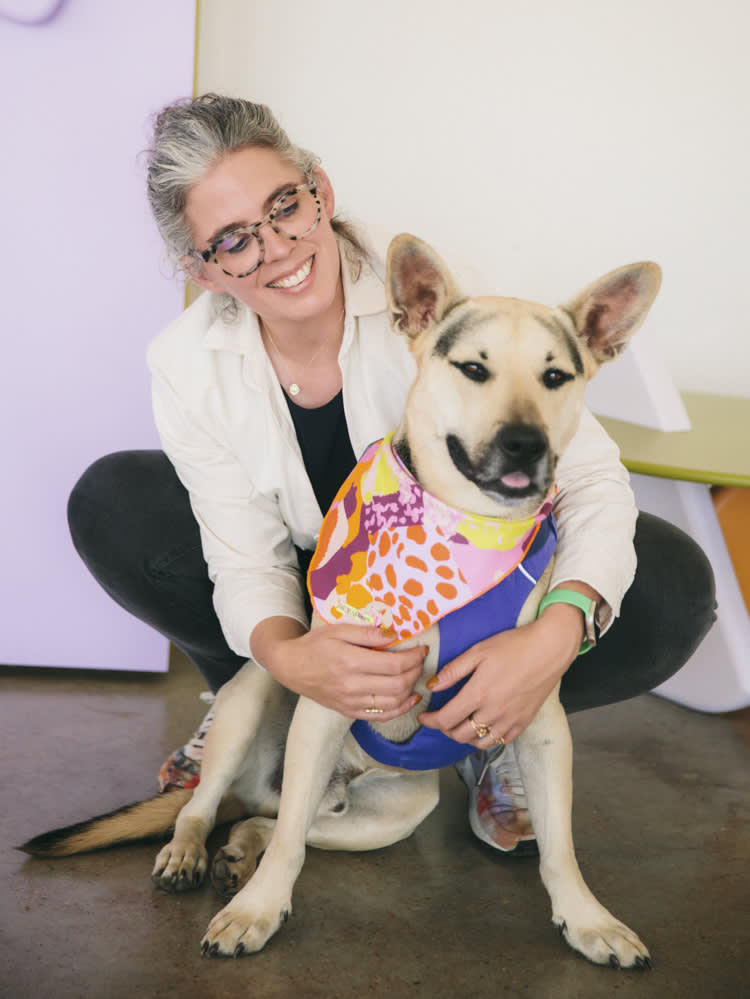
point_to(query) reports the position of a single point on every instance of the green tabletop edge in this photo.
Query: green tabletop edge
(716, 451)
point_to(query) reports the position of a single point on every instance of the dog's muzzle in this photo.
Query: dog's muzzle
(515, 465)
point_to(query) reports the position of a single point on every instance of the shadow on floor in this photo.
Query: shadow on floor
(662, 805)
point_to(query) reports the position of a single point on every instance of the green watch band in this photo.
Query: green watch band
(585, 604)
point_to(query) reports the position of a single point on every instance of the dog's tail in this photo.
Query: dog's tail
(148, 819)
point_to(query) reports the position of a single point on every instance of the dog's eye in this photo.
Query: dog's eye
(472, 369)
(553, 378)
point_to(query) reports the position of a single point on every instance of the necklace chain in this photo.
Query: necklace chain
(294, 388)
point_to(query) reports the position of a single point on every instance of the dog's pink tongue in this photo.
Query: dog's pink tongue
(516, 480)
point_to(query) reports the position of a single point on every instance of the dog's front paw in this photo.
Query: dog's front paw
(180, 867)
(242, 929)
(604, 940)
(232, 869)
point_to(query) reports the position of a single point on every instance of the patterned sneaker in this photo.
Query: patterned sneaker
(183, 768)
(498, 812)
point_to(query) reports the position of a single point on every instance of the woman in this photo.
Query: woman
(265, 391)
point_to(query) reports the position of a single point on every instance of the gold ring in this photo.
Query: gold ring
(372, 710)
(500, 741)
(482, 731)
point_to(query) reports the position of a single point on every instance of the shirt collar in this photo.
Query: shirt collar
(234, 327)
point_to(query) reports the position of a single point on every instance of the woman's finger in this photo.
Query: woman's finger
(377, 709)
(454, 714)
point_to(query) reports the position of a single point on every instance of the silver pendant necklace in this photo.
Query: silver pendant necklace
(294, 388)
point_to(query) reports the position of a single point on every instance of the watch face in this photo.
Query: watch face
(590, 624)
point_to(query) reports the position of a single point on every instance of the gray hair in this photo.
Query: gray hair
(193, 134)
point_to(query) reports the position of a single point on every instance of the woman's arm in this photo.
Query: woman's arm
(596, 514)
(248, 548)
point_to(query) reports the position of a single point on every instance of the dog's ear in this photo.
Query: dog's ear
(609, 311)
(419, 286)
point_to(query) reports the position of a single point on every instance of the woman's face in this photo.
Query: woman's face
(298, 280)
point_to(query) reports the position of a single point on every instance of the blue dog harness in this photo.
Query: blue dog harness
(496, 610)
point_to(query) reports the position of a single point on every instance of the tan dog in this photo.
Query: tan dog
(497, 398)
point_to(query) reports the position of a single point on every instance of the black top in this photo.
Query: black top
(326, 449)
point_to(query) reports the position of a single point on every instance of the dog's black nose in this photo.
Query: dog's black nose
(522, 443)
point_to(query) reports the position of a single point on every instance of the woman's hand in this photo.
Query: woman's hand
(510, 676)
(345, 667)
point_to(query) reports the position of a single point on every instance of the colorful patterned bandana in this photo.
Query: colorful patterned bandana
(393, 555)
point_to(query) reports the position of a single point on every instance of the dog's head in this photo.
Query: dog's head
(500, 381)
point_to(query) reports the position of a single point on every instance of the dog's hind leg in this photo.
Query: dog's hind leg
(380, 811)
(240, 706)
(545, 755)
(235, 863)
(373, 811)
(256, 912)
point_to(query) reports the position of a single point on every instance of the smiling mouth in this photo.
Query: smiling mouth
(294, 279)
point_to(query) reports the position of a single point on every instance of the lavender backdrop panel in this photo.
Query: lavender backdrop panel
(85, 287)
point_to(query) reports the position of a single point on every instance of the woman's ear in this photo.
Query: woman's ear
(195, 271)
(325, 189)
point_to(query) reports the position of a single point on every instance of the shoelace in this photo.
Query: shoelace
(198, 741)
(492, 755)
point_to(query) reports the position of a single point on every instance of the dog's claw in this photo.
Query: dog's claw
(562, 927)
(643, 963)
(239, 950)
(285, 915)
(613, 961)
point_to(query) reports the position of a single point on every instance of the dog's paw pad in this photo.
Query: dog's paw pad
(230, 871)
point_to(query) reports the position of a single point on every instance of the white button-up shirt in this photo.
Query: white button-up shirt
(226, 427)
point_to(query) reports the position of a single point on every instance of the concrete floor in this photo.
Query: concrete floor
(662, 798)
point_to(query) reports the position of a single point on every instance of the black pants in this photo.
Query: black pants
(132, 525)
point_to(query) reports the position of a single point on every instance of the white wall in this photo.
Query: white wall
(544, 142)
